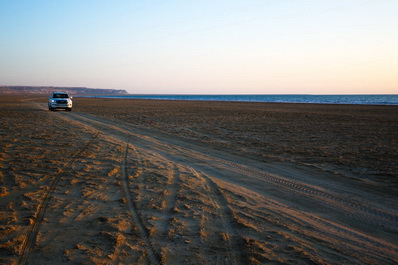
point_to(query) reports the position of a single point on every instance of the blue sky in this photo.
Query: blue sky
(202, 47)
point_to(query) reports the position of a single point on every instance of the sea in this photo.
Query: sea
(320, 99)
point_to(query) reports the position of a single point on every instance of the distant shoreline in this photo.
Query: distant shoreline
(44, 90)
(312, 99)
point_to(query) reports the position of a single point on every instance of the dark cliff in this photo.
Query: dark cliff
(69, 90)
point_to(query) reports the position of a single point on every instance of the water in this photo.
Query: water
(321, 99)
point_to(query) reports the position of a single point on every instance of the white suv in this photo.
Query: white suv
(59, 100)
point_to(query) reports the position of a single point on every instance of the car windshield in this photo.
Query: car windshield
(60, 96)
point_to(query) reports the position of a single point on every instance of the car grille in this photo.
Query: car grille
(62, 101)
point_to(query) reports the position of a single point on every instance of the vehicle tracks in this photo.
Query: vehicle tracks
(235, 242)
(199, 161)
(142, 230)
(170, 203)
(30, 240)
(351, 207)
(367, 212)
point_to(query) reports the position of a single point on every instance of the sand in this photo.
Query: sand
(179, 182)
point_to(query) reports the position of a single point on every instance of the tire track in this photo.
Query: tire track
(271, 178)
(76, 204)
(142, 230)
(369, 213)
(235, 241)
(171, 201)
(310, 226)
(352, 234)
(361, 210)
(30, 240)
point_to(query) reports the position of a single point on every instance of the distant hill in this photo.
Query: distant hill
(70, 90)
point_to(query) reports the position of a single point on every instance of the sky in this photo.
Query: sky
(202, 47)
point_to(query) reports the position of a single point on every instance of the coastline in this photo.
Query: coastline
(358, 99)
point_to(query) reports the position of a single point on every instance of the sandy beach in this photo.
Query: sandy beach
(123, 181)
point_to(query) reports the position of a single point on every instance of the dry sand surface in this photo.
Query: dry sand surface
(176, 182)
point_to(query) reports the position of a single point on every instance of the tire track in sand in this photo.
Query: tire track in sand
(30, 240)
(366, 212)
(360, 209)
(234, 241)
(354, 208)
(170, 202)
(142, 230)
